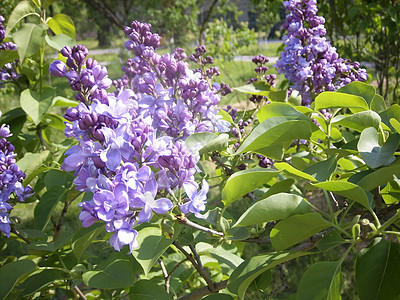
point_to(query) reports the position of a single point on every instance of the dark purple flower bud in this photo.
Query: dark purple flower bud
(66, 51)
(72, 114)
(58, 68)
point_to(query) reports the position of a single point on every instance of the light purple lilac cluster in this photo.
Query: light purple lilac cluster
(308, 60)
(11, 178)
(8, 72)
(131, 152)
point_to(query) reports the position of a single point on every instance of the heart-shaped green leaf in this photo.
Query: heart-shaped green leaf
(371, 152)
(29, 39)
(37, 104)
(275, 207)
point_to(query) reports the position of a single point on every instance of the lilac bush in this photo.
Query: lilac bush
(8, 72)
(131, 152)
(309, 61)
(11, 178)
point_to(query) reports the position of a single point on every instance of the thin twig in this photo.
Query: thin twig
(165, 274)
(19, 234)
(334, 199)
(80, 292)
(196, 255)
(204, 291)
(185, 221)
(201, 270)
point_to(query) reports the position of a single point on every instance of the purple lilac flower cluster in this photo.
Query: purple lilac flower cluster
(131, 153)
(11, 178)
(260, 61)
(8, 72)
(308, 60)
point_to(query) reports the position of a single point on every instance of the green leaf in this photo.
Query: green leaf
(148, 290)
(359, 121)
(278, 96)
(59, 101)
(345, 189)
(16, 118)
(8, 56)
(395, 124)
(361, 89)
(84, 237)
(392, 112)
(207, 141)
(117, 274)
(322, 169)
(45, 208)
(11, 273)
(371, 152)
(251, 268)
(378, 104)
(47, 3)
(226, 116)
(245, 181)
(281, 186)
(260, 88)
(54, 121)
(339, 100)
(22, 10)
(279, 110)
(152, 244)
(329, 241)
(37, 104)
(59, 41)
(321, 281)
(275, 207)
(218, 143)
(58, 178)
(377, 271)
(379, 177)
(274, 132)
(29, 39)
(38, 281)
(37, 3)
(62, 24)
(288, 169)
(31, 163)
(294, 229)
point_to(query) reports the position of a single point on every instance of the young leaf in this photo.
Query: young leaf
(148, 290)
(377, 271)
(29, 39)
(11, 273)
(320, 281)
(152, 244)
(371, 152)
(274, 132)
(62, 24)
(339, 100)
(275, 207)
(345, 189)
(22, 10)
(250, 269)
(225, 116)
(59, 41)
(37, 104)
(295, 229)
(245, 181)
(119, 273)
